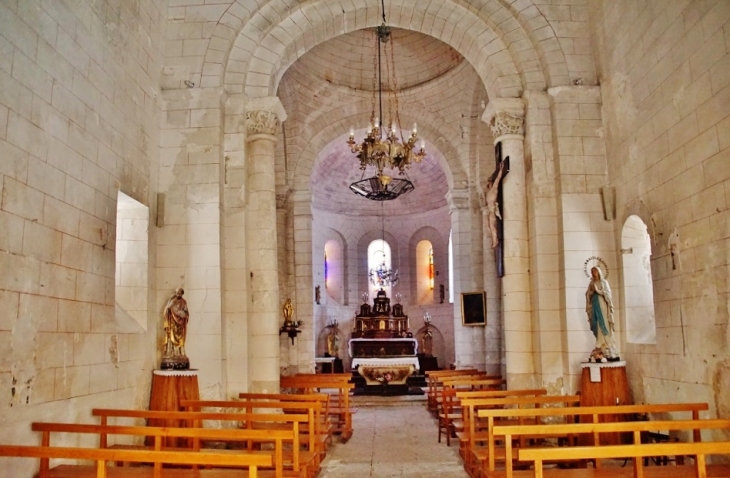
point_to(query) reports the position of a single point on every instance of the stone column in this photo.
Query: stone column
(469, 348)
(505, 116)
(263, 120)
(301, 208)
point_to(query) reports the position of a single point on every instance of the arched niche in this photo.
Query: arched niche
(638, 290)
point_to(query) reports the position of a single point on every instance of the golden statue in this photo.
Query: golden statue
(176, 318)
(288, 312)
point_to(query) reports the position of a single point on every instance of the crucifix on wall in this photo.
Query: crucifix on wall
(494, 201)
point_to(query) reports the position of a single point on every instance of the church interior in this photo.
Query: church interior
(563, 152)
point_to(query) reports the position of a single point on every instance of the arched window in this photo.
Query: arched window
(424, 272)
(638, 291)
(379, 259)
(333, 270)
(451, 269)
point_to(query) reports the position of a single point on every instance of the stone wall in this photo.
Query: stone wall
(665, 75)
(78, 122)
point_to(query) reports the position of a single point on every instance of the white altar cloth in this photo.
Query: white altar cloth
(384, 362)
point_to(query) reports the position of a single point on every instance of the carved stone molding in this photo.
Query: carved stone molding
(505, 116)
(262, 122)
(264, 116)
(503, 123)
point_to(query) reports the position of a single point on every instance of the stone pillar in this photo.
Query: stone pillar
(301, 208)
(469, 349)
(505, 116)
(263, 120)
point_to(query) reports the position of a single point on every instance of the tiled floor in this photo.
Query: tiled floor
(393, 439)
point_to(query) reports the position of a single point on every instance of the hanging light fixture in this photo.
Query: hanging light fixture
(389, 149)
(382, 275)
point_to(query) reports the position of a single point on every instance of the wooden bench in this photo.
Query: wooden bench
(256, 419)
(448, 404)
(462, 424)
(291, 461)
(157, 456)
(432, 378)
(480, 425)
(636, 450)
(436, 384)
(325, 426)
(340, 408)
(487, 456)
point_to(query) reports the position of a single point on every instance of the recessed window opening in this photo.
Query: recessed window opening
(638, 290)
(424, 272)
(379, 264)
(131, 284)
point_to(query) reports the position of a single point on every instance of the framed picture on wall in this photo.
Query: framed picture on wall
(474, 308)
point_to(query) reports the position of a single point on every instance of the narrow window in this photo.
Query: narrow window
(131, 285)
(380, 274)
(638, 290)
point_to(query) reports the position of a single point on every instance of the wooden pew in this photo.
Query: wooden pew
(487, 456)
(449, 407)
(432, 378)
(479, 432)
(287, 463)
(435, 383)
(636, 450)
(252, 410)
(436, 379)
(340, 408)
(157, 456)
(462, 424)
(325, 426)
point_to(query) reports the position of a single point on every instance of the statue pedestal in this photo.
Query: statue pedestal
(168, 388)
(605, 384)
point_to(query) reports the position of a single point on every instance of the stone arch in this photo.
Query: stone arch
(511, 51)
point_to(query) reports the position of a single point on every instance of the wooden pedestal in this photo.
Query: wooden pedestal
(168, 388)
(605, 384)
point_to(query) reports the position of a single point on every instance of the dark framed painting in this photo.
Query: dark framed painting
(474, 308)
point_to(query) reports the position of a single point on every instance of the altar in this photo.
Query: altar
(383, 351)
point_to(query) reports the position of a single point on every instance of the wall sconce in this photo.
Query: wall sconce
(291, 327)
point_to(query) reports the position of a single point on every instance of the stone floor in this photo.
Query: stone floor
(392, 438)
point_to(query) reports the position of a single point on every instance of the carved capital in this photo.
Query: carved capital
(503, 123)
(262, 122)
(505, 116)
(264, 116)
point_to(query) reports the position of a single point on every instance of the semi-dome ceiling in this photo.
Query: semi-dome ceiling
(337, 167)
(348, 60)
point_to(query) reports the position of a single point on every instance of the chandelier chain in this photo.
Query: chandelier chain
(389, 150)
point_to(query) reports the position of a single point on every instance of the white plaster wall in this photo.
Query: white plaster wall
(78, 122)
(665, 72)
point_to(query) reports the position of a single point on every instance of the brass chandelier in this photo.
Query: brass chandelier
(385, 151)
